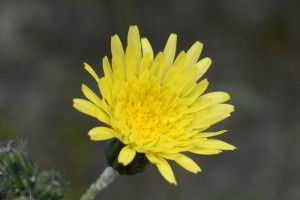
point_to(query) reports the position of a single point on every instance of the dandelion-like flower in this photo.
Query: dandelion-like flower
(155, 104)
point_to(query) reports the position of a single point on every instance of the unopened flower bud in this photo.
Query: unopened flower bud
(18, 164)
(50, 185)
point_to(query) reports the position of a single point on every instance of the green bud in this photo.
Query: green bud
(18, 164)
(50, 185)
(5, 182)
(111, 153)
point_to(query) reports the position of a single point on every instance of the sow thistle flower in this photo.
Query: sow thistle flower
(154, 104)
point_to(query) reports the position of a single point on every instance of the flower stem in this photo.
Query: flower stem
(107, 177)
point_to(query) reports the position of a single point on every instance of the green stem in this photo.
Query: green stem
(107, 177)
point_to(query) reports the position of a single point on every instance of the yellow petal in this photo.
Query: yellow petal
(102, 116)
(183, 161)
(203, 66)
(134, 38)
(212, 115)
(216, 144)
(126, 155)
(204, 151)
(163, 167)
(157, 67)
(184, 82)
(216, 97)
(91, 109)
(180, 60)
(154, 69)
(116, 46)
(85, 107)
(188, 88)
(193, 54)
(131, 61)
(118, 68)
(107, 71)
(88, 68)
(166, 171)
(106, 108)
(199, 105)
(208, 134)
(105, 89)
(188, 164)
(172, 76)
(169, 51)
(101, 133)
(90, 95)
(147, 49)
(198, 90)
(144, 65)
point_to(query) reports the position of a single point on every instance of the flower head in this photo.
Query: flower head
(155, 104)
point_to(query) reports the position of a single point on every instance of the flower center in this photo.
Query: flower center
(146, 113)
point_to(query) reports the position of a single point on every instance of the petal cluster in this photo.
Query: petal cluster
(155, 104)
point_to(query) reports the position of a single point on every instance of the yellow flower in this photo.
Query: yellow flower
(155, 104)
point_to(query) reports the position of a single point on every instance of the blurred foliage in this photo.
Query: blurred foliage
(255, 49)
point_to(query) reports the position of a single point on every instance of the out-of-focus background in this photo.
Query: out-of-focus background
(255, 48)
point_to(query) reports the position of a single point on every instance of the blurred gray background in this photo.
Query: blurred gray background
(255, 48)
